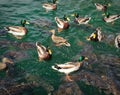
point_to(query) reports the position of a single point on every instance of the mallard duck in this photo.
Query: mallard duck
(111, 18)
(62, 24)
(5, 61)
(96, 36)
(81, 20)
(100, 7)
(69, 67)
(58, 40)
(117, 41)
(43, 52)
(50, 6)
(18, 31)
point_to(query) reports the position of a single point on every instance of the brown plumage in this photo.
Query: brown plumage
(58, 40)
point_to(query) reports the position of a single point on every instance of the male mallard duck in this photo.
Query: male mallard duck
(43, 52)
(100, 7)
(96, 36)
(62, 24)
(81, 20)
(110, 18)
(58, 40)
(50, 6)
(117, 41)
(69, 67)
(18, 31)
(5, 61)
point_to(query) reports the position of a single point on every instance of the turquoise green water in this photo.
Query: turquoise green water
(12, 11)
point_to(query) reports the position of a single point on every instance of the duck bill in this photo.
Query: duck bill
(86, 58)
(88, 39)
(27, 22)
(72, 14)
(68, 19)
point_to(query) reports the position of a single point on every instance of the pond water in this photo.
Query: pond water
(13, 11)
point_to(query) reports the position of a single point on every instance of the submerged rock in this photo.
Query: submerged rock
(17, 55)
(70, 88)
(22, 45)
(42, 22)
(14, 88)
(40, 83)
(102, 82)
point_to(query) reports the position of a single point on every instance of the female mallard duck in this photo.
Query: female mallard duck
(43, 52)
(69, 67)
(100, 7)
(50, 6)
(18, 31)
(96, 36)
(58, 40)
(110, 18)
(5, 61)
(117, 41)
(62, 24)
(81, 20)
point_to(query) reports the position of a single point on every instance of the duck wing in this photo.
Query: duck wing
(115, 16)
(59, 39)
(15, 28)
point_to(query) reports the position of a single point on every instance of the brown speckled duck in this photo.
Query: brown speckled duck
(69, 67)
(96, 36)
(50, 6)
(18, 31)
(5, 61)
(62, 24)
(43, 52)
(59, 41)
(101, 7)
(117, 41)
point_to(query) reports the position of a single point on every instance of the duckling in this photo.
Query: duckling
(81, 20)
(59, 41)
(117, 41)
(69, 67)
(50, 6)
(62, 24)
(18, 31)
(43, 52)
(110, 18)
(96, 36)
(5, 61)
(100, 7)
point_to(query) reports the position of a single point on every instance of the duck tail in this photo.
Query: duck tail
(118, 16)
(36, 43)
(67, 44)
(56, 67)
(57, 19)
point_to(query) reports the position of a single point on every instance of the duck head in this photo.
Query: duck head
(66, 18)
(81, 58)
(24, 22)
(7, 60)
(52, 31)
(106, 13)
(75, 15)
(54, 1)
